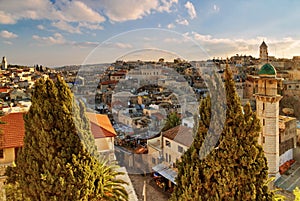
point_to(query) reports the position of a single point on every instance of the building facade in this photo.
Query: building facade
(267, 106)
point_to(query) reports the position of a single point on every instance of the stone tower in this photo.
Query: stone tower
(263, 53)
(4, 64)
(267, 109)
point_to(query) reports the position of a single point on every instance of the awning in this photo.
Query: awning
(165, 171)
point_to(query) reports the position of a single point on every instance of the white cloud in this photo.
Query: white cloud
(124, 10)
(6, 18)
(166, 5)
(120, 11)
(223, 47)
(171, 26)
(7, 34)
(58, 39)
(77, 11)
(191, 9)
(14, 10)
(62, 25)
(118, 45)
(61, 13)
(216, 8)
(182, 22)
(92, 26)
(40, 27)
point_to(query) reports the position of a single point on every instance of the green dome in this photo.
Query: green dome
(267, 69)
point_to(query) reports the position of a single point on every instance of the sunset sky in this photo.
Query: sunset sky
(57, 33)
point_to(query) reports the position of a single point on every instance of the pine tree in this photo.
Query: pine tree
(59, 160)
(235, 168)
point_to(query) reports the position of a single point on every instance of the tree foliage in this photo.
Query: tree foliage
(173, 120)
(59, 160)
(235, 168)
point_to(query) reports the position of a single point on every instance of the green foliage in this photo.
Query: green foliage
(235, 168)
(59, 160)
(173, 120)
(296, 192)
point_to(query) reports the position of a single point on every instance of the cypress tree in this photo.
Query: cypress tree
(235, 168)
(59, 160)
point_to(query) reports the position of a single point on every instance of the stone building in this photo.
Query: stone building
(278, 143)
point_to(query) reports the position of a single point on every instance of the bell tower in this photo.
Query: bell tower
(4, 64)
(263, 53)
(267, 109)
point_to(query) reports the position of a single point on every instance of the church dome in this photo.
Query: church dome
(267, 69)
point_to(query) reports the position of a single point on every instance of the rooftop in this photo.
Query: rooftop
(180, 134)
(101, 125)
(13, 130)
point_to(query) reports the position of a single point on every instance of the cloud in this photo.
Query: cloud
(230, 46)
(120, 11)
(62, 25)
(171, 26)
(58, 39)
(182, 22)
(40, 27)
(216, 8)
(14, 10)
(77, 11)
(166, 5)
(191, 9)
(125, 10)
(118, 45)
(91, 26)
(6, 18)
(7, 34)
(65, 15)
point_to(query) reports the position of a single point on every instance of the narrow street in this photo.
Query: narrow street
(153, 192)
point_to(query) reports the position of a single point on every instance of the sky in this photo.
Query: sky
(65, 32)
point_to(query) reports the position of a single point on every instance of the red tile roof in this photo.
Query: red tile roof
(101, 125)
(13, 130)
(99, 132)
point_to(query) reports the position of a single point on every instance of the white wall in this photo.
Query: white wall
(288, 155)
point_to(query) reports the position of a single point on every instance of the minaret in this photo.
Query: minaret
(267, 109)
(263, 53)
(4, 64)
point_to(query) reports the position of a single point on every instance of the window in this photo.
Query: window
(170, 159)
(168, 143)
(180, 149)
(263, 106)
(1, 153)
(166, 157)
(153, 160)
(264, 139)
(264, 122)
